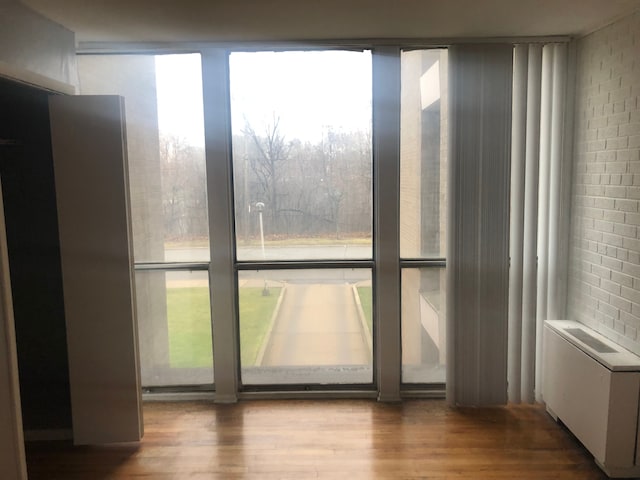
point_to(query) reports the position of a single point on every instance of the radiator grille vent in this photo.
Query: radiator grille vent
(590, 341)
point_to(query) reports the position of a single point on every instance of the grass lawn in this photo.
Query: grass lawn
(190, 326)
(365, 300)
(255, 315)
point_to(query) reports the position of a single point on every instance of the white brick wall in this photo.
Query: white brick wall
(604, 276)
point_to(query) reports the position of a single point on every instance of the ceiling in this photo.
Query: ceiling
(275, 20)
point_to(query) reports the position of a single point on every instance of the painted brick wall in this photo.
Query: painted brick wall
(604, 268)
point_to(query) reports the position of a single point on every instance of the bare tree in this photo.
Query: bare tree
(309, 188)
(184, 197)
(269, 152)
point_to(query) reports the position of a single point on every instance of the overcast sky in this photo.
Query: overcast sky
(308, 91)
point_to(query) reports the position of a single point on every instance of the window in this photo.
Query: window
(301, 327)
(175, 339)
(168, 204)
(294, 132)
(423, 325)
(301, 125)
(423, 181)
(303, 191)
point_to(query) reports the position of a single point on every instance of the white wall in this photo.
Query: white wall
(604, 282)
(35, 50)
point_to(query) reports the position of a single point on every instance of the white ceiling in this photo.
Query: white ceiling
(260, 20)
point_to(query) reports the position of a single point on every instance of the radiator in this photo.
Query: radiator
(592, 386)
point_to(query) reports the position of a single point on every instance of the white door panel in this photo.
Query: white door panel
(90, 163)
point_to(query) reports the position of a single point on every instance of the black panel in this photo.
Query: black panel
(26, 171)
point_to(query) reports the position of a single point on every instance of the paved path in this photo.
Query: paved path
(317, 325)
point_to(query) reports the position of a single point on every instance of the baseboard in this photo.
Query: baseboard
(177, 396)
(308, 395)
(225, 398)
(389, 398)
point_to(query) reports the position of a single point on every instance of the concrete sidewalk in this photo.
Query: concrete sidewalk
(317, 324)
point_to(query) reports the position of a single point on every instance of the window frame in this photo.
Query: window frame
(386, 263)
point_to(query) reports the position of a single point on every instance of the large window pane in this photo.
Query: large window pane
(174, 327)
(423, 325)
(301, 126)
(423, 154)
(306, 326)
(165, 143)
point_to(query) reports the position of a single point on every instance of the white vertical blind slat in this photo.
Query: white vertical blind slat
(537, 280)
(546, 103)
(518, 154)
(530, 225)
(557, 146)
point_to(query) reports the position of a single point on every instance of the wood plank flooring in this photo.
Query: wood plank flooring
(332, 439)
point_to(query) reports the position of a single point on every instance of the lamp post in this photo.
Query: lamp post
(260, 207)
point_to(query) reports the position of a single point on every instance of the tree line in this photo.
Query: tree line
(308, 189)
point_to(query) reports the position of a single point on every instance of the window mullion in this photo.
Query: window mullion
(386, 161)
(223, 290)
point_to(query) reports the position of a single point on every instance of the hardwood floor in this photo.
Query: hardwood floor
(333, 439)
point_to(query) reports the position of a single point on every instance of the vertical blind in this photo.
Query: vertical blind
(507, 185)
(538, 132)
(478, 249)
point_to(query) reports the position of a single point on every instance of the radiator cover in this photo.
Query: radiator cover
(592, 385)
